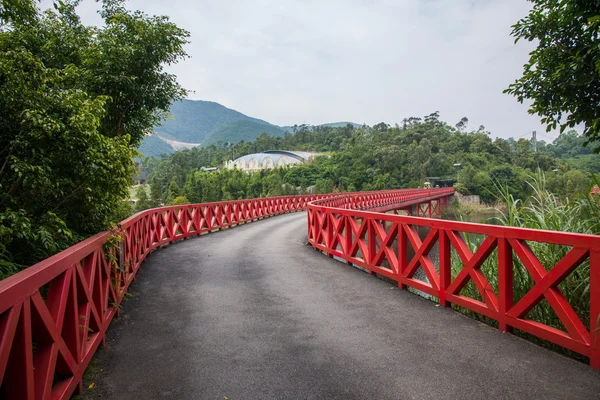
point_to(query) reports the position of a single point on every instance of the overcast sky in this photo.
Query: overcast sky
(367, 61)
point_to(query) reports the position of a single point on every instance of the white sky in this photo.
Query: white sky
(367, 61)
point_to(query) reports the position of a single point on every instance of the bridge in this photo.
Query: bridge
(256, 312)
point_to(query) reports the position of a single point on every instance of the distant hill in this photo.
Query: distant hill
(154, 146)
(341, 124)
(197, 122)
(242, 130)
(331, 124)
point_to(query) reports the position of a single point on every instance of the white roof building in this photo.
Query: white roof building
(269, 159)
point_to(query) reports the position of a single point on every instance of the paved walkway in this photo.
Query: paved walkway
(253, 313)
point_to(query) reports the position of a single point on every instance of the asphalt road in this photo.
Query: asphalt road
(253, 313)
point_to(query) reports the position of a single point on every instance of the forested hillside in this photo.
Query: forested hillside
(379, 157)
(205, 123)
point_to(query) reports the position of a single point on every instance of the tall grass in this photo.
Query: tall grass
(542, 210)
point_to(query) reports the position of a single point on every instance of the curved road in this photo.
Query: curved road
(253, 313)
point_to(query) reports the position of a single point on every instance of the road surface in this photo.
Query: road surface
(253, 313)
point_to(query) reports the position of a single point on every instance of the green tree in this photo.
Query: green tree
(562, 76)
(211, 188)
(143, 201)
(179, 201)
(193, 187)
(69, 128)
(173, 192)
(382, 157)
(324, 186)
(156, 193)
(255, 186)
(127, 63)
(272, 185)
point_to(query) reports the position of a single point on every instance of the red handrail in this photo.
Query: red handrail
(380, 243)
(54, 314)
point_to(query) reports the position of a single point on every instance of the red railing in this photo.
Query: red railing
(54, 315)
(440, 258)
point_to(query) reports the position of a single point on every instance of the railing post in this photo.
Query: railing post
(595, 308)
(402, 256)
(329, 232)
(309, 225)
(347, 237)
(122, 252)
(505, 283)
(445, 266)
(372, 243)
(170, 224)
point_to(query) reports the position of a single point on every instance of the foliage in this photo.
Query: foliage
(233, 132)
(208, 123)
(154, 146)
(173, 191)
(75, 102)
(143, 200)
(126, 63)
(324, 185)
(541, 210)
(562, 77)
(382, 157)
(24, 239)
(179, 201)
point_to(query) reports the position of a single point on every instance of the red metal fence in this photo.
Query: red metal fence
(511, 271)
(54, 315)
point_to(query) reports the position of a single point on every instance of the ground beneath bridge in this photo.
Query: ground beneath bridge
(253, 313)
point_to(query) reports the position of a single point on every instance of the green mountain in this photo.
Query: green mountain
(242, 130)
(154, 146)
(197, 122)
(194, 120)
(201, 123)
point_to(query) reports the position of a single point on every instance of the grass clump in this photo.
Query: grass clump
(545, 211)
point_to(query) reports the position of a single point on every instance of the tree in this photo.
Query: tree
(324, 186)
(126, 63)
(562, 76)
(193, 187)
(69, 127)
(255, 186)
(173, 192)
(272, 185)
(143, 201)
(179, 201)
(211, 188)
(389, 157)
(462, 124)
(432, 118)
(381, 127)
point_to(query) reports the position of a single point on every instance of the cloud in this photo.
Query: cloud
(290, 61)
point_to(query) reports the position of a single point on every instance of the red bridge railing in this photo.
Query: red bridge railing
(440, 258)
(54, 315)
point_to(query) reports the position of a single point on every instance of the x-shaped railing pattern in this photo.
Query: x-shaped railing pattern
(398, 246)
(54, 315)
